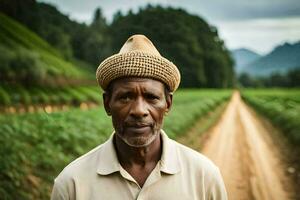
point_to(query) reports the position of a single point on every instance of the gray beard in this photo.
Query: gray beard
(139, 141)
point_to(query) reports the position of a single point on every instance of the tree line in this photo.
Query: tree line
(185, 39)
(288, 80)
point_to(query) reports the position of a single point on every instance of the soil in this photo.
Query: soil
(251, 163)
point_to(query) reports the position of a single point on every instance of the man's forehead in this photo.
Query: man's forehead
(129, 82)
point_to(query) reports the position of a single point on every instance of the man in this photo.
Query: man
(139, 161)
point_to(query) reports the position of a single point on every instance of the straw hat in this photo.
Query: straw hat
(138, 58)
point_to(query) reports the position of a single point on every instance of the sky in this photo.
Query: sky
(259, 25)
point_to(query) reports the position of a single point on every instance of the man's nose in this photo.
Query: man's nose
(139, 108)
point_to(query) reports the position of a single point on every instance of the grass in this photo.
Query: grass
(70, 95)
(281, 106)
(16, 37)
(36, 147)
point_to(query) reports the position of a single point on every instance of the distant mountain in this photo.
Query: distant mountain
(242, 57)
(282, 59)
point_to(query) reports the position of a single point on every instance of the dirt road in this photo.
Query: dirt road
(241, 146)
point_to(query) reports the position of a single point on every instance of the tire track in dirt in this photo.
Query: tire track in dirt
(249, 162)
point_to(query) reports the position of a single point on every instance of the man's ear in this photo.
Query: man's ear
(106, 100)
(169, 100)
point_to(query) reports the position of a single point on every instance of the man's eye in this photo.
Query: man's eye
(124, 97)
(152, 97)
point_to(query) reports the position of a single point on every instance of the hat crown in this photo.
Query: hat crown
(139, 43)
(138, 57)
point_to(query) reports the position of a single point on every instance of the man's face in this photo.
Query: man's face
(137, 107)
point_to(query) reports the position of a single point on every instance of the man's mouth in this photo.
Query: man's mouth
(138, 128)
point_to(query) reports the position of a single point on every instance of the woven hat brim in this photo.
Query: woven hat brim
(138, 64)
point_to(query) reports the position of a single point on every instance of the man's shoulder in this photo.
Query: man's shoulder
(202, 170)
(82, 165)
(194, 159)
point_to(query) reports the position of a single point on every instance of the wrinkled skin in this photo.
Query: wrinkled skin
(137, 107)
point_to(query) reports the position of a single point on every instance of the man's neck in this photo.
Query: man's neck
(129, 156)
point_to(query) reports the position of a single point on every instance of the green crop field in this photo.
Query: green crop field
(35, 147)
(70, 95)
(281, 106)
(22, 52)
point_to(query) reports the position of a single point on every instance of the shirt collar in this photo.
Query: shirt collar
(109, 163)
(169, 158)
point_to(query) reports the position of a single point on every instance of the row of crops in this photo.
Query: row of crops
(20, 96)
(282, 107)
(36, 146)
(27, 58)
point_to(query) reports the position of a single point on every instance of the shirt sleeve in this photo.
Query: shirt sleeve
(217, 187)
(58, 192)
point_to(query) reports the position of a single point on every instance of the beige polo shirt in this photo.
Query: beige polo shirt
(182, 173)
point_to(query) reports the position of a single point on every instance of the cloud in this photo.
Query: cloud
(260, 34)
(256, 24)
(212, 10)
(216, 10)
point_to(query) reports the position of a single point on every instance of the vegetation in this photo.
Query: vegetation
(35, 96)
(187, 40)
(48, 59)
(289, 79)
(28, 60)
(36, 147)
(40, 49)
(89, 43)
(281, 59)
(281, 106)
(190, 105)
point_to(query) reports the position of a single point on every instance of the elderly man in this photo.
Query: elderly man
(139, 161)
